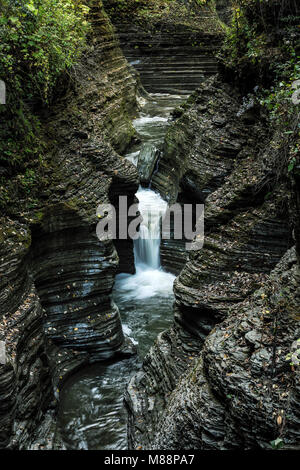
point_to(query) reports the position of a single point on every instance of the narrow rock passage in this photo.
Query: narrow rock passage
(92, 413)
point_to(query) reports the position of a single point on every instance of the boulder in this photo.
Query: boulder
(148, 157)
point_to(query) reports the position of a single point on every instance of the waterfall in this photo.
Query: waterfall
(150, 279)
(147, 248)
(145, 303)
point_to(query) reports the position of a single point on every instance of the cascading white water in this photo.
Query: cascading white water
(147, 248)
(92, 414)
(133, 157)
(150, 279)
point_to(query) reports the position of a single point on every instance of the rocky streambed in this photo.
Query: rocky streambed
(218, 365)
(92, 413)
(58, 313)
(212, 369)
(219, 378)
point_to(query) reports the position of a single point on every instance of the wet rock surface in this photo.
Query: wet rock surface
(149, 390)
(26, 389)
(236, 300)
(57, 312)
(174, 51)
(148, 157)
(210, 146)
(242, 392)
(203, 143)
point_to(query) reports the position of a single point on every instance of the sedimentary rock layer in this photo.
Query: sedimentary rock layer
(236, 300)
(25, 383)
(212, 137)
(242, 392)
(57, 311)
(174, 48)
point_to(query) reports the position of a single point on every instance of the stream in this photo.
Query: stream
(92, 415)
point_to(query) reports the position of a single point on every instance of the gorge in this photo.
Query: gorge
(141, 344)
(92, 413)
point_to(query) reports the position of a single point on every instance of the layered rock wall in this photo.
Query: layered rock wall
(172, 46)
(219, 378)
(169, 61)
(210, 136)
(57, 311)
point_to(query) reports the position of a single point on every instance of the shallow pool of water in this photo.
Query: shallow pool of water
(92, 414)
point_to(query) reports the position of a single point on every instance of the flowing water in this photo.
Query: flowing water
(92, 414)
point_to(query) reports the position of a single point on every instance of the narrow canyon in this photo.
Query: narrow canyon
(142, 344)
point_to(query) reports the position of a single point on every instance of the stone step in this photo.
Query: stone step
(179, 59)
(168, 52)
(189, 40)
(174, 79)
(183, 58)
(148, 68)
(172, 90)
(167, 77)
(173, 73)
(175, 83)
(172, 65)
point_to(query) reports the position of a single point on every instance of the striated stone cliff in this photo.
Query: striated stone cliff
(171, 44)
(210, 136)
(220, 378)
(56, 279)
(241, 392)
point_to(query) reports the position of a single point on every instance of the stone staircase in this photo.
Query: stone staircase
(170, 61)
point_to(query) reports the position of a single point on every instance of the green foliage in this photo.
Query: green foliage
(294, 356)
(40, 41)
(278, 98)
(284, 113)
(144, 12)
(277, 444)
(127, 8)
(262, 33)
(262, 50)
